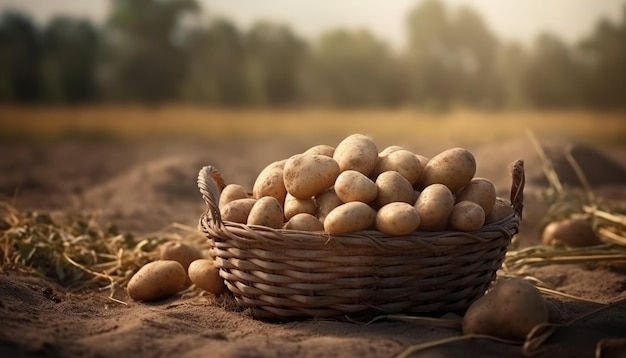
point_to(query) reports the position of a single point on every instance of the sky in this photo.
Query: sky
(512, 20)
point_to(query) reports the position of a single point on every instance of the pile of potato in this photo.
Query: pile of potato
(353, 187)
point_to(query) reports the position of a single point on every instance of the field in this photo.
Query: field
(136, 167)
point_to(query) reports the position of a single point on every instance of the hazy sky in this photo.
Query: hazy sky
(518, 20)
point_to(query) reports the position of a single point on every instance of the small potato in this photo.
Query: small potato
(357, 152)
(394, 187)
(401, 161)
(304, 222)
(423, 160)
(295, 206)
(509, 311)
(326, 202)
(481, 191)
(466, 216)
(349, 217)
(397, 219)
(267, 211)
(321, 149)
(181, 252)
(352, 185)
(453, 168)
(388, 150)
(237, 210)
(157, 280)
(501, 209)
(306, 175)
(205, 275)
(570, 232)
(434, 205)
(270, 182)
(232, 192)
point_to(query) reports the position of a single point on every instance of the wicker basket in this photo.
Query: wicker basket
(287, 274)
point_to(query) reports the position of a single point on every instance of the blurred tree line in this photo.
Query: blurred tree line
(161, 51)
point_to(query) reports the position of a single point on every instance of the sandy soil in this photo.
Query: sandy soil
(145, 186)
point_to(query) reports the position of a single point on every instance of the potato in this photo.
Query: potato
(401, 161)
(481, 191)
(349, 217)
(453, 168)
(205, 275)
(267, 211)
(501, 209)
(304, 222)
(509, 311)
(357, 152)
(157, 280)
(394, 187)
(321, 149)
(570, 232)
(388, 150)
(270, 182)
(423, 160)
(306, 175)
(397, 219)
(237, 210)
(352, 185)
(434, 205)
(466, 216)
(180, 252)
(326, 202)
(232, 192)
(295, 206)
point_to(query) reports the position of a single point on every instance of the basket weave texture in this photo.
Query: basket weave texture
(287, 274)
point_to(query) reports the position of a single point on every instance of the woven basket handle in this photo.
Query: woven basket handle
(517, 187)
(210, 183)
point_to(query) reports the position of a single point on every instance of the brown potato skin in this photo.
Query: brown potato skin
(267, 211)
(352, 185)
(481, 191)
(237, 210)
(304, 222)
(181, 252)
(501, 209)
(466, 216)
(270, 182)
(393, 187)
(232, 192)
(570, 232)
(397, 218)
(205, 275)
(157, 280)
(326, 202)
(434, 205)
(357, 152)
(307, 175)
(454, 168)
(349, 217)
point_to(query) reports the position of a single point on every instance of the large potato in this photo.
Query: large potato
(352, 185)
(321, 149)
(349, 217)
(205, 275)
(357, 152)
(401, 161)
(304, 222)
(509, 311)
(481, 191)
(466, 216)
(232, 192)
(157, 280)
(237, 210)
(397, 219)
(306, 175)
(326, 202)
(394, 187)
(295, 206)
(181, 252)
(267, 211)
(570, 232)
(434, 205)
(453, 168)
(270, 182)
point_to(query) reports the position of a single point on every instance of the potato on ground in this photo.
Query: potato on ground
(501, 209)
(434, 205)
(304, 222)
(326, 202)
(481, 191)
(401, 161)
(394, 187)
(454, 168)
(295, 206)
(181, 252)
(352, 185)
(397, 218)
(306, 175)
(570, 232)
(157, 280)
(466, 216)
(205, 275)
(237, 210)
(232, 192)
(349, 217)
(267, 211)
(357, 152)
(270, 182)
(510, 311)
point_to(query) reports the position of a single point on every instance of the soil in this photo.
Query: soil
(145, 186)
